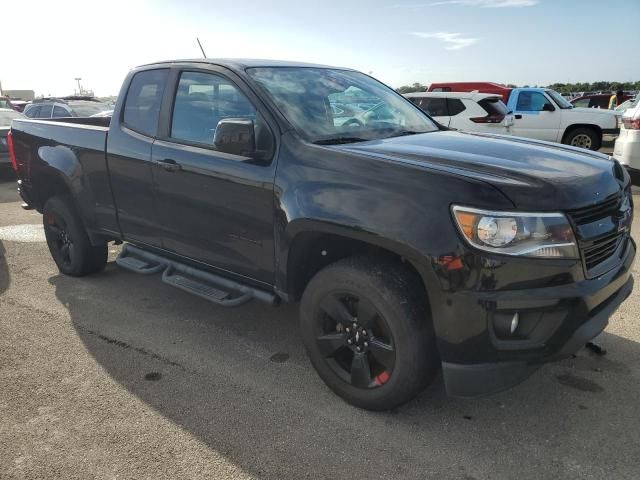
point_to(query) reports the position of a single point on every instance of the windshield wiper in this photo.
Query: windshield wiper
(339, 140)
(402, 133)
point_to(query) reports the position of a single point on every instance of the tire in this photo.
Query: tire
(68, 241)
(398, 356)
(583, 137)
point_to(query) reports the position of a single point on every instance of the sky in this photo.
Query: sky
(535, 42)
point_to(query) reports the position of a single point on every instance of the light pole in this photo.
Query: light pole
(79, 86)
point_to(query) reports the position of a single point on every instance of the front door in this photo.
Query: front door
(531, 120)
(214, 208)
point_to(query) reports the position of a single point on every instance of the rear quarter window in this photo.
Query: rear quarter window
(60, 112)
(455, 106)
(493, 106)
(143, 101)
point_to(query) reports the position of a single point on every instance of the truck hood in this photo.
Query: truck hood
(534, 175)
(603, 112)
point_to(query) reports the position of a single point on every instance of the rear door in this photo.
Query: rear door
(129, 156)
(530, 118)
(216, 208)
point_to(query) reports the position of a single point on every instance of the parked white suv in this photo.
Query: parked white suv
(627, 147)
(467, 111)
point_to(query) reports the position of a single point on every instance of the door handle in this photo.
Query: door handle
(518, 117)
(169, 165)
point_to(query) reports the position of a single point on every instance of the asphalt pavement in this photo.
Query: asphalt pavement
(117, 375)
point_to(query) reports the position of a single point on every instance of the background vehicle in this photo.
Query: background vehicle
(625, 105)
(106, 113)
(627, 146)
(60, 108)
(600, 100)
(483, 87)
(6, 116)
(471, 112)
(6, 103)
(544, 114)
(410, 247)
(19, 105)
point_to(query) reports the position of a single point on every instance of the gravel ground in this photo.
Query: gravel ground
(120, 376)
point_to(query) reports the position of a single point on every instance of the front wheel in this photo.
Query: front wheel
(583, 138)
(366, 330)
(68, 241)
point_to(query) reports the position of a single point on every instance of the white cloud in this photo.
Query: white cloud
(489, 3)
(453, 41)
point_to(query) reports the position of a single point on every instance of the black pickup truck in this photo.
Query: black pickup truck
(412, 248)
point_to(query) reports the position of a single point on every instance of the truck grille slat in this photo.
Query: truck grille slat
(596, 212)
(596, 251)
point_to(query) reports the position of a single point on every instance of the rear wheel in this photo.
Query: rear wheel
(367, 333)
(68, 241)
(583, 138)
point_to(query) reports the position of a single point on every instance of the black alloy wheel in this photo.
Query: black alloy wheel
(355, 340)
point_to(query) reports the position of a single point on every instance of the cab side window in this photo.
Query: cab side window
(202, 100)
(531, 102)
(143, 101)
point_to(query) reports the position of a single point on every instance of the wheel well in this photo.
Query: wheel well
(47, 185)
(310, 252)
(571, 128)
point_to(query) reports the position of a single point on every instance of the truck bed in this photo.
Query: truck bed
(75, 146)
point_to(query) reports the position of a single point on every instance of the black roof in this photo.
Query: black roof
(241, 63)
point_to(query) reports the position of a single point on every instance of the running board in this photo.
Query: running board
(219, 290)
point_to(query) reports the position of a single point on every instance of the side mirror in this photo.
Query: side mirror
(236, 136)
(547, 107)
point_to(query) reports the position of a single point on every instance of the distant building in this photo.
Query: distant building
(25, 95)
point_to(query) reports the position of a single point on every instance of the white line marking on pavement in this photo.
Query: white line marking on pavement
(23, 233)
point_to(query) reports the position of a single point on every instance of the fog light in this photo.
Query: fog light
(514, 323)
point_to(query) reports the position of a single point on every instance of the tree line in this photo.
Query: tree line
(559, 87)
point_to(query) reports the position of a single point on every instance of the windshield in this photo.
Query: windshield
(559, 99)
(339, 106)
(7, 116)
(86, 109)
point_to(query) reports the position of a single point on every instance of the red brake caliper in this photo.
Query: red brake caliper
(382, 378)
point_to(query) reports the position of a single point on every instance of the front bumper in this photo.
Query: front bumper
(563, 319)
(610, 134)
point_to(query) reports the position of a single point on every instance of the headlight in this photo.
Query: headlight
(542, 235)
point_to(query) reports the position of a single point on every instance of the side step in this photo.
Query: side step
(209, 286)
(129, 261)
